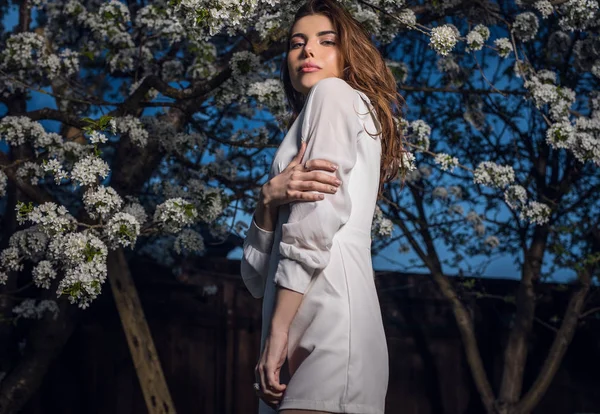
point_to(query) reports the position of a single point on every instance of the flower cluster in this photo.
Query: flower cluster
(30, 242)
(477, 37)
(133, 127)
(525, 26)
(17, 130)
(122, 229)
(544, 7)
(189, 241)
(504, 46)
(493, 175)
(381, 226)
(3, 183)
(87, 170)
(578, 14)
(50, 217)
(43, 274)
(83, 257)
(174, 214)
(445, 161)
(443, 39)
(101, 201)
(27, 309)
(420, 135)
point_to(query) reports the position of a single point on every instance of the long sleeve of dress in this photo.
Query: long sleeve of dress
(331, 127)
(255, 259)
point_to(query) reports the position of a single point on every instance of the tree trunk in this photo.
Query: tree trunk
(515, 353)
(44, 344)
(141, 345)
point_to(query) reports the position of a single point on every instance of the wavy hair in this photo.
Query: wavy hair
(374, 79)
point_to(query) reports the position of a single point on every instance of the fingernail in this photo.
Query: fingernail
(338, 182)
(321, 196)
(335, 167)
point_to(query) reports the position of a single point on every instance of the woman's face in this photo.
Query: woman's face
(315, 42)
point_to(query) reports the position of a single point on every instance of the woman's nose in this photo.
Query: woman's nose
(308, 51)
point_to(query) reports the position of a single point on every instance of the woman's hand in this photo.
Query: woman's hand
(268, 369)
(296, 182)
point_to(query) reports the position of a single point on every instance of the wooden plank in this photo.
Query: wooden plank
(143, 352)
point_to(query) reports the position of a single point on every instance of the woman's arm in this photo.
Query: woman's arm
(287, 303)
(293, 184)
(331, 128)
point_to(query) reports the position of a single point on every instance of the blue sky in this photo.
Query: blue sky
(388, 259)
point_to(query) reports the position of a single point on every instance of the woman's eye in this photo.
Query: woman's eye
(300, 43)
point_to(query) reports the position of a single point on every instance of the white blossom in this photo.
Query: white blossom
(474, 40)
(381, 225)
(536, 212)
(504, 46)
(421, 133)
(492, 242)
(82, 283)
(525, 26)
(87, 170)
(122, 229)
(443, 39)
(97, 137)
(133, 127)
(483, 31)
(30, 172)
(407, 162)
(137, 211)
(56, 168)
(101, 201)
(16, 130)
(493, 175)
(440, 192)
(174, 214)
(515, 196)
(561, 135)
(578, 14)
(189, 240)
(544, 7)
(11, 260)
(31, 243)
(27, 309)
(445, 161)
(50, 217)
(244, 63)
(43, 274)
(407, 17)
(3, 183)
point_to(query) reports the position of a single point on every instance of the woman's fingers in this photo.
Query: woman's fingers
(320, 164)
(273, 381)
(298, 158)
(316, 186)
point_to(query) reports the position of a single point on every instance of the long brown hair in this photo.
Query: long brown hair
(375, 80)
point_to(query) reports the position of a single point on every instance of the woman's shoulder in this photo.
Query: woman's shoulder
(332, 89)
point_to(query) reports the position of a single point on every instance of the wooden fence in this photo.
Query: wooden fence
(206, 329)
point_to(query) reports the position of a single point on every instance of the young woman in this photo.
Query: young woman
(308, 250)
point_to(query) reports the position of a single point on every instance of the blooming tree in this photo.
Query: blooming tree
(138, 145)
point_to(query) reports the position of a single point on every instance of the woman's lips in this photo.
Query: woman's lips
(309, 69)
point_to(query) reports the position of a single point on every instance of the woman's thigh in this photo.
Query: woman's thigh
(303, 412)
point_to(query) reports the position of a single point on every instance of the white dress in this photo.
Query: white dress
(337, 351)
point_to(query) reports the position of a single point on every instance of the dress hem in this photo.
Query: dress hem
(330, 406)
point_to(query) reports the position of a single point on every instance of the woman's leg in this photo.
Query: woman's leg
(303, 412)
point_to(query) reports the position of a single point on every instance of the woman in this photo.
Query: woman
(311, 258)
